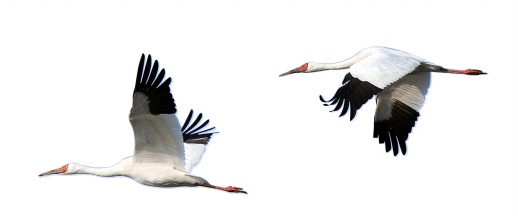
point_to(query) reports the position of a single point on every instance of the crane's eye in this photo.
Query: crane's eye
(304, 67)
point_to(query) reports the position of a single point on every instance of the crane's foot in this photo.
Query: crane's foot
(234, 189)
(228, 188)
(467, 72)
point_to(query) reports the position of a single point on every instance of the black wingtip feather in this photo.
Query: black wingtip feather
(192, 133)
(148, 83)
(201, 126)
(187, 121)
(147, 69)
(345, 108)
(395, 147)
(402, 144)
(209, 129)
(353, 93)
(139, 71)
(338, 105)
(321, 98)
(158, 79)
(394, 131)
(196, 121)
(152, 76)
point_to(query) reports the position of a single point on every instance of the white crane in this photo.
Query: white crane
(165, 153)
(400, 82)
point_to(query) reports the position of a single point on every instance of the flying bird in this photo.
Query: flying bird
(165, 152)
(400, 82)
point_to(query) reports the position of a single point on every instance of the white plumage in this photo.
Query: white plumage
(383, 66)
(165, 153)
(193, 155)
(399, 80)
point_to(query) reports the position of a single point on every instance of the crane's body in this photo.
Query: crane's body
(165, 152)
(151, 174)
(398, 79)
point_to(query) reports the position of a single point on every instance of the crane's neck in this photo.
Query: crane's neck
(119, 169)
(99, 171)
(333, 66)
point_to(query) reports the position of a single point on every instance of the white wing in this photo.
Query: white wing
(193, 155)
(397, 110)
(158, 136)
(196, 137)
(374, 69)
(382, 66)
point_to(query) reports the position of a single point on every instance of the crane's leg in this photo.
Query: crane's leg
(436, 68)
(228, 188)
(466, 72)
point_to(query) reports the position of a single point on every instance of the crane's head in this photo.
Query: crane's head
(66, 169)
(305, 68)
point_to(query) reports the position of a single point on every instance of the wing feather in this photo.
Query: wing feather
(195, 140)
(188, 120)
(152, 75)
(158, 135)
(384, 66)
(193, 135)
(397, 110)
(353, 93)
(196, 121)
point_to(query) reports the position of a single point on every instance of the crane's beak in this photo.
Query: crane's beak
(296, 70)
(54, 171)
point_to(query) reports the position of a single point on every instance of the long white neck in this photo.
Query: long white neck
(100, 171)
(313, 67)
(119, 169)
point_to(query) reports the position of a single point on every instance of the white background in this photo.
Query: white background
(68, 71)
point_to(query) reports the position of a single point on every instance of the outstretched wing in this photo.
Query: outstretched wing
(158, 135)
(196, 137)
(385, 66)
(397, 110)
(372, 73)
(353, 93)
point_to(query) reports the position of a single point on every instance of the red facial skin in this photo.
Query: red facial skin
(64, 168)
(304, 67)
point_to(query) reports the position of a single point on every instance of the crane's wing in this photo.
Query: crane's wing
(158, 135)
(370, 75)
(196, 136)
(353, 93)
(385, 67)
(398, 108)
